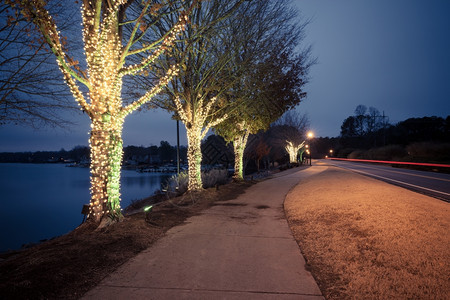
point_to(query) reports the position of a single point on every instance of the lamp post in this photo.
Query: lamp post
(307, 152)
(178, 148)
(331, 152)
(310, 135)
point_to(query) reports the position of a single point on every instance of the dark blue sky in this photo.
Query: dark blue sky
(390, 54)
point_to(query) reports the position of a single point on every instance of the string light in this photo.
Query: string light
(195, 121)
(292, 149)
(239, 144)
(105, 59)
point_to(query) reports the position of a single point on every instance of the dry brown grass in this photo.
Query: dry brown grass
(366, 239)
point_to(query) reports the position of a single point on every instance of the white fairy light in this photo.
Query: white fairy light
(196, 129)
(292, 149)
(105, 61)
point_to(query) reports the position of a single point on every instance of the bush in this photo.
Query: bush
(177, 185)
(356, 154)
(431, 152)
(214, 177)
(390, 152)
(344, 153)
(418, 152)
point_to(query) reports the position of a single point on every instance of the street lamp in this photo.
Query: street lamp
(331, 152)
(307, 152)
(310, 135)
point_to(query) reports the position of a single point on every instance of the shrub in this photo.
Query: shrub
(344, 153)
(356, 154)
(177, 185)
(390, 152)
(429, 152)
(214, 177)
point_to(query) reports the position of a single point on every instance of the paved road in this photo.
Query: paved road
(429, 183)
(237, 249)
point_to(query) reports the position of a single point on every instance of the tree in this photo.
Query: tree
(373, 123)
(111, 33)
(216, 152)
(166, 152)
(259, 150)
(273, 79)
(447, 129)
(360, 119)
(421, 129)
(30, 92)
(348, 127)
(195, 96)
(293, 150)
(363, 127)
(290, 131)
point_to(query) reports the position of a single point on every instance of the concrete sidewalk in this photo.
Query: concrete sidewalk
(238, 249)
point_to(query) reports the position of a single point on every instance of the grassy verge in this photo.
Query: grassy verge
(366, 239)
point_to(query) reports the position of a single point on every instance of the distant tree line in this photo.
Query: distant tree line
(133, 155)
(154, 155)
(368, 135)
(77, 154)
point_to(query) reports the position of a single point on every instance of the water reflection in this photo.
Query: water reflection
(143, 180)
(40, 201)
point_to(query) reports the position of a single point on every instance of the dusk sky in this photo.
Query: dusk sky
(393, 55)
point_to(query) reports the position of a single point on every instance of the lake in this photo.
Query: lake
(40, 201)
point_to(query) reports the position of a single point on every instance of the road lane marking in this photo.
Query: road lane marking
(403, 173)
(400, 182)
(406, 173)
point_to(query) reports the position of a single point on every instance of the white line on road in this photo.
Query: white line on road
(397, 181)
(404, 173)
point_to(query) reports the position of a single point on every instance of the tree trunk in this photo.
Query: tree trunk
(301, 155)
(194, 155)
(292, 157)
(106, 160)
(239, 145)
(291, 150)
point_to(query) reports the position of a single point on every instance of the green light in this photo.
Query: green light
(148, 208)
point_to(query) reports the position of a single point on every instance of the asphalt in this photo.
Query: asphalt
(237, 249)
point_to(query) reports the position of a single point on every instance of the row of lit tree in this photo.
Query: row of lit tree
(230, 66)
